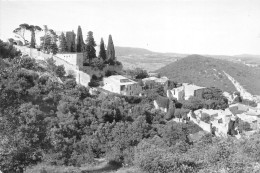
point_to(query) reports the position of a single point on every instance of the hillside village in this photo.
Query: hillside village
(216, 121)
(78, 98)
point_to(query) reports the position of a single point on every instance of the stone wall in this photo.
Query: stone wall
(71, 62)
(72, 58)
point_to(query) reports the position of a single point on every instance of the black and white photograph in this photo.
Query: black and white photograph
(129, 86)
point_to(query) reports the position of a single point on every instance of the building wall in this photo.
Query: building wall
(115, 87)
(132, 89)
(177, 93)
(111, 85)
(72, 58)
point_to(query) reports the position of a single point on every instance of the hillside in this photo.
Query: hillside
(206, 71)
(143, 58)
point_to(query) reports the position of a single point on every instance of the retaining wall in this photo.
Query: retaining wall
(71, 66)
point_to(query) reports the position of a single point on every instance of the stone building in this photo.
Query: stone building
(121, 85)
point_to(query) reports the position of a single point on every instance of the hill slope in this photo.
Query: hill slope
(205, 71)
(145, 59)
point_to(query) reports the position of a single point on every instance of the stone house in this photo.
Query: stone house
(186, 91)
(121, 85)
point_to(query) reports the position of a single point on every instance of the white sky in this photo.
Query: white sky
(183, 26)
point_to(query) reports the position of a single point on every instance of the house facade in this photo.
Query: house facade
(186, 91)
(121, 85)
(191, 90)
(177, 93)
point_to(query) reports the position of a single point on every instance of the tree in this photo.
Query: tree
(63, 43)
(110, 50)
(33, 41)
(8, 50)
(89, 52)
(20, 31)
(102, 51)
(33, 30)
(80, 42)
(60, 71)
(71, 43)
(48, 41)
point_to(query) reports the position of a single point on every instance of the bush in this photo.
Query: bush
(95, 81)
(28, 63)
(60, 71)
(152, 159)
(8, 50)
(71, 83)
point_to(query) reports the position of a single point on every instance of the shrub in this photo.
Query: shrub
(60, 71)
(28, 63)
(70, 83)
(153, 159)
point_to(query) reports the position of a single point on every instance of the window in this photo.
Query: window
(122, 87)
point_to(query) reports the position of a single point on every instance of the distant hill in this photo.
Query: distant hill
(206, 71)
(123, 51)
(143, 58)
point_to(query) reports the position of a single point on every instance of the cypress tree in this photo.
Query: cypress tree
(70, 38)
(102, 51)
(63, 43)
(73, 42)
(89, 52)
(110, 50)
(79, 42)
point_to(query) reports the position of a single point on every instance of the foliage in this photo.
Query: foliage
(212, 98)
(8, 50)
(89, 52)
(94, 81)
(110, 51)
(60, 71)
(137, 73)
(63, 47)
(33, 30)
(28, 63)
(49, 41)
(70, 41)
(20, 31)
(43, 120)
(102, 51)
(79, 41)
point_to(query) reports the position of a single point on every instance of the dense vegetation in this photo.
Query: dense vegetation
(47, 118)
(208, 72)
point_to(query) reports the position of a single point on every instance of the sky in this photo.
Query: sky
(220, 27)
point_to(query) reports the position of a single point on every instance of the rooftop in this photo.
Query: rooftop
(192, 86)
(121, 80)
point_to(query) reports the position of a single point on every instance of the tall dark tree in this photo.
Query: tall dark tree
(89, 52)
(79, 42)
(63, 43)
(102, 50)
(71, 43)
(110, 50)
(33, 30)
